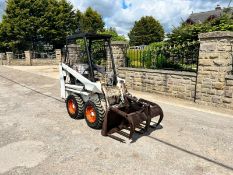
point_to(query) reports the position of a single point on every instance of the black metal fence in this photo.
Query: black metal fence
(177, 57)
(19, 56)
(43, 55)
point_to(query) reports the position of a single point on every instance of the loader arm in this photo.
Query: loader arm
(88, 85)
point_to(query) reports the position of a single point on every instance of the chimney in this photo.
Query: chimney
(218, 7)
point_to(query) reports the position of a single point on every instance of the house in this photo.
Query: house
(195, 18)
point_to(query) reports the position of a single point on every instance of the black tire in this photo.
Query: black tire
(100, 113)
(78, 106)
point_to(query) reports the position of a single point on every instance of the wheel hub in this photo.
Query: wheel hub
(90, 114)
(71, 106)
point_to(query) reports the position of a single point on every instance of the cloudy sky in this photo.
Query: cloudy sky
(121, 14)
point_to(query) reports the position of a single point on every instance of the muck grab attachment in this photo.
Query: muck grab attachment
(92, 89)
(134, 114)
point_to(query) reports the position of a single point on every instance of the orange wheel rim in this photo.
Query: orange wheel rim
(90, 114)
(71, 106)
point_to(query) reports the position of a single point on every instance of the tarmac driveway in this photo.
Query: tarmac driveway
(38, 137)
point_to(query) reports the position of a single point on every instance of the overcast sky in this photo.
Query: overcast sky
(121, 14)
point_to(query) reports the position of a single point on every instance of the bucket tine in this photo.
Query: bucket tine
(123, 134)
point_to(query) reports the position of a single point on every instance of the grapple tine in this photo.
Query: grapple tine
(140, 127)
(132, 130)
(139, 132)
(160, 119)
(151, 126)
(116, 138)
(123, 134)
(154, 110)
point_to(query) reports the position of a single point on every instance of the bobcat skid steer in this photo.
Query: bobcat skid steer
(91, 89)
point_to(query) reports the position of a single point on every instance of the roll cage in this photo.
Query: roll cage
(88, 39)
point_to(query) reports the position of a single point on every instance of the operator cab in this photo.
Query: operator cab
(91, 55)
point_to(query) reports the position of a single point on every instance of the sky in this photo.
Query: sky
(121, 14)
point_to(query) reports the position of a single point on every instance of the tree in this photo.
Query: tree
(59, 22)
(92, 21)
(78, 21)
(145, 31)
(189, 32)
(113, 32)
(29, 22)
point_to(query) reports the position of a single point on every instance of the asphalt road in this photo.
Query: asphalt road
(38, 137)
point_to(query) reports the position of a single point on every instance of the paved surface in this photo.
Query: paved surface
(38, 137)
(48, 71)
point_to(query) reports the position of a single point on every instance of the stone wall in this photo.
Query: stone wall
(41, 62)
(34, 62)
(17, 62)
(28, 61)
(212, 85)
(171, 83)
(214, 81)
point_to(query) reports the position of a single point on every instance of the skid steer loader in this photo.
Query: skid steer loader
(92, 89)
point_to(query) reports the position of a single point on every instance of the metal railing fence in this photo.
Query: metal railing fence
(177, 57)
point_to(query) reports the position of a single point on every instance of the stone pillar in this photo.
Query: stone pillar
(119, 49)
(215, 64)
(28, 57)
(2, 57)
(9, 57)
(73, 51)
(58, 55)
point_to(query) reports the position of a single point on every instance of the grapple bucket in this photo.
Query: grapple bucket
(136, 114)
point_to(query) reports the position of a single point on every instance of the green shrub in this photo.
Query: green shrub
(156, 45)
(146, 58)
(161, 61)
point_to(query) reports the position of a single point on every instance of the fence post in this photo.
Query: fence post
(9, 57)
(58, 55)
(215, 64)
(28, 57)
